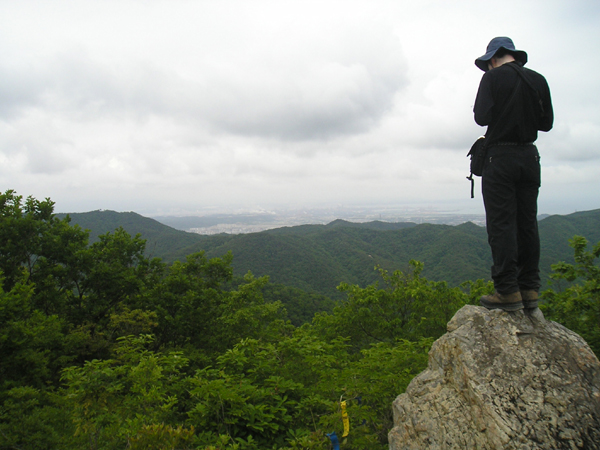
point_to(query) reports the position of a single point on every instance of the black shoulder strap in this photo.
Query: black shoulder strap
(538, 98)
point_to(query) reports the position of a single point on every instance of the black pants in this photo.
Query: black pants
(510, 185)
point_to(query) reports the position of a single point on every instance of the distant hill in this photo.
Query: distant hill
(316, 258)
(555, 232)
(160, 239)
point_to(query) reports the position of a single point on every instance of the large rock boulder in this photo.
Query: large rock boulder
(500, 380)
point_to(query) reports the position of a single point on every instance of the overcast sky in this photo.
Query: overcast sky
(184, 107)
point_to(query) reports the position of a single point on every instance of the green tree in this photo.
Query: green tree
(195, 310)
(301, 306)
(186, 301)
(294, 387)
(407, 307)
(113, 272)
(33, 418)
(48, 249)
(87, 287)
(370, 384)
(577, 306)
(31, 343)
(114, 400)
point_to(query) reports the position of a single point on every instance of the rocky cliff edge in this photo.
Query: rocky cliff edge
(501, 380)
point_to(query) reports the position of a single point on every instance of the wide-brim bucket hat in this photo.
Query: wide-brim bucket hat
(496, 44)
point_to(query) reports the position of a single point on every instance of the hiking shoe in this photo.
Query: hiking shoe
(508, 302)
(530, 299)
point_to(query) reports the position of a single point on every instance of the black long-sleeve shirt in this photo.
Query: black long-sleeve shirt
(522, 122)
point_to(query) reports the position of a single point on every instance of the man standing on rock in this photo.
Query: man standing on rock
(514, 103)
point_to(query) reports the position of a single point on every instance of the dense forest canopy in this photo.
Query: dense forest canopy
(104, 347)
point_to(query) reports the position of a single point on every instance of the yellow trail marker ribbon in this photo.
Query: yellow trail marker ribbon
(345, 419)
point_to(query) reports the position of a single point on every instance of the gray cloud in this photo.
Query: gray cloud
(333, 99)
(18, 89)
(332, 84)
(308, 102)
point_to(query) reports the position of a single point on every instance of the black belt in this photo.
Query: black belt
(511, 143)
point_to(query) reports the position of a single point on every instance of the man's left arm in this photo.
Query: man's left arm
(547, 119)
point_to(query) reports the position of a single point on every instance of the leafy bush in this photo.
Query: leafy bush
(407, 307)
(575, 299)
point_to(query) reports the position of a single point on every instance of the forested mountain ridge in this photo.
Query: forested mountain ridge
(556, 230)
(316, 258)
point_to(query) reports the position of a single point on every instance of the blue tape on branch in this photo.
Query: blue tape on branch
(334, 440)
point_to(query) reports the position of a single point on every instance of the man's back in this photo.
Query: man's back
(521, 123)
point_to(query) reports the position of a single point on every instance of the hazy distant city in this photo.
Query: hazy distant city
(255, 221)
